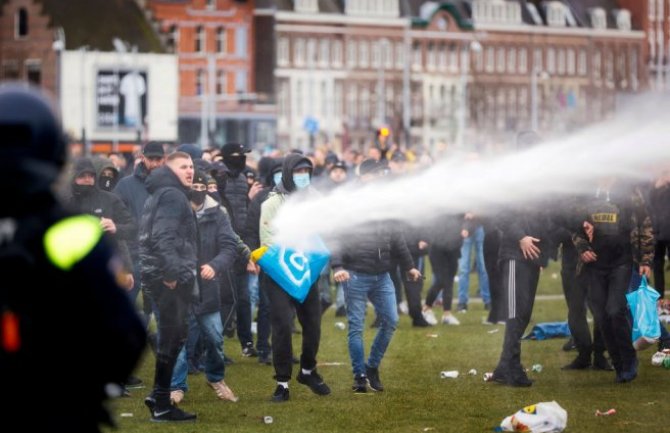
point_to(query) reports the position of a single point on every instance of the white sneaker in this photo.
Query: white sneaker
(658, 357)
(404, 309)
(429, 316)
(449, 319)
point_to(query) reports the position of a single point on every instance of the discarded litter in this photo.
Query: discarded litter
(472, 372)
(488, 376)
(607, 413)
(537, 368)
(330, 364)
(547, 416)
(432, 335)
(493, 331)
(126, 415)
(340, 325)
(267, 419)
(452, 374)
(428, 428)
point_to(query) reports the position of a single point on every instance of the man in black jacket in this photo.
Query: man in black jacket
(363, 263)
(168, 254)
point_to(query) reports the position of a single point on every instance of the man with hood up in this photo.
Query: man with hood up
(107, 175)
(296, 176)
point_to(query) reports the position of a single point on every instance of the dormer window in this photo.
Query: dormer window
(496, 11)
(622, 18)
(556, 14)
(367, 8)
(598, 18)
(306, 6)
(211, 4)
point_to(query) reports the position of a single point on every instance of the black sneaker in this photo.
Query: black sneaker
(150, 403)
(341, 311)
(421, 323)
(315, 382)
(134, 382)
(569, 345)
(249, 351)
(360, 384)
(280, 395)
(579, 363)
(602, 363)
(518, 379)
(172, 414)
(629, 374)
(373, 378)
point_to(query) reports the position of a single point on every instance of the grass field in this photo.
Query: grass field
(416, 399)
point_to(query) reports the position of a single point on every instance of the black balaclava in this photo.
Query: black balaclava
(81, 166)
(198, 197)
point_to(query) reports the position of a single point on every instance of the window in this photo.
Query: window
(633, 68)
(21, 23)
(199, 39)
(299, 52)
(551, 60)
(400, 55)
(241, 41)
(453, 58)
(365, 102)
(306, 6)
(10, 70)
(442, 57)
(324, 99)
(324, 52)
(221, 40)
(571, 62)
(609, 65)
(282, 99)
(337, 105)
(538, 65)
(311, 52)
(582, 67)
(199, 82)
(523, 60)
(241, 81)
(363, 54)
(598, 18)
(376, 54)
(561, 61)
(597, 65)
(556, 14)
(490, 59)
(221, 83)
(479, 59)
(387, 49)
(352, 54)
(431, 57)
(352, 102)
(511, 60)
(337, 53)
(211, 4)
(282, 51)
(173, 37)
(417, 57)
(298, 99)
(500, 61)
(34, 71)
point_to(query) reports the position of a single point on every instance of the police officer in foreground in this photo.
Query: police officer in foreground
(59, 285)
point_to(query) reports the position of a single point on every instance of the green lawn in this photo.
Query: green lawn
(416, 398)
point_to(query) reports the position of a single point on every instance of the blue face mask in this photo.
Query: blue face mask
(301, 180)
(277, 178)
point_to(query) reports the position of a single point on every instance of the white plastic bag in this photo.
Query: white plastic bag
(545, 417)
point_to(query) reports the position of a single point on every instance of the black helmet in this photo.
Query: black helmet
(31, 137)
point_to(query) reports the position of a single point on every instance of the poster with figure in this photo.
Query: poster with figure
(121, 98)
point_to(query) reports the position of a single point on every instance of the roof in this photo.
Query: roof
(97, 22)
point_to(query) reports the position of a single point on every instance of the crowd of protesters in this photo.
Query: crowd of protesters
(189, 226)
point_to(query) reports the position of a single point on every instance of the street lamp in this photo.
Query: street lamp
(536, 75)
(473, 47)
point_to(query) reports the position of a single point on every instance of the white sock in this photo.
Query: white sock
(306, 372)
(284, 384)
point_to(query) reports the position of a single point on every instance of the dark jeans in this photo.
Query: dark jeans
(444, 263)
(281, 315)
(607, 299)
(412, 288)
(498, 311)
(575, 288)
(235, 303)
(519, 279)
(173, 307)
(662, 248)
(263, 317)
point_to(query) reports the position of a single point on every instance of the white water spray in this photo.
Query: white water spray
(628, 146)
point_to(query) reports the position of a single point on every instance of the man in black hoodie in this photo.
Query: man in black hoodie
(168, 254)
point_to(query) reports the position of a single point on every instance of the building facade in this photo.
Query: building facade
(214, 42)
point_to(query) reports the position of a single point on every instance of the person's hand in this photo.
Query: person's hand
(469, 216)
(207, 272)
(253, 268)
(588, 230)
(171, 284)
(129, 281)
(588, 256)
(414, 274)
(255, 189)
(341, 276)
(528, 248)
(107, 225)
(423, 245)
(645, 271)
(465, 233)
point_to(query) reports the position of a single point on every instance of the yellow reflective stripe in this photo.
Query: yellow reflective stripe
(71, 239)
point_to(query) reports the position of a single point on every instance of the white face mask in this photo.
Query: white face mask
(301, 180)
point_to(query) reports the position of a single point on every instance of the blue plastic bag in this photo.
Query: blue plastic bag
(293, 270)
(543, 331)
(646, 325)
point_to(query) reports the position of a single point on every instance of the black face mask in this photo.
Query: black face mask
(82, 190)
(197, 197)
(107, 183)
(236, 163)
(215, 195)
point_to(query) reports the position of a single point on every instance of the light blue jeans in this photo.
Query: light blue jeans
(378, 288)
(211, 331)
(476, 241)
